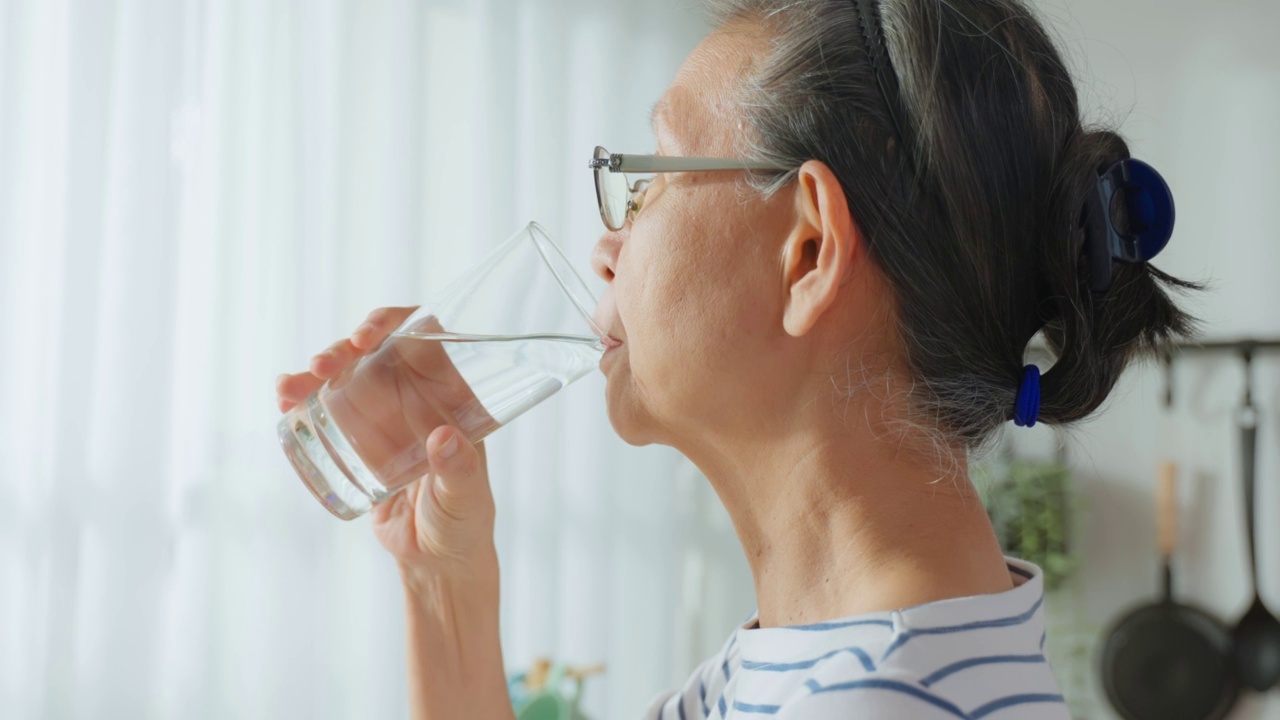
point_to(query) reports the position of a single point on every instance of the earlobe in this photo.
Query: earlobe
(813, 291)
(818, 254)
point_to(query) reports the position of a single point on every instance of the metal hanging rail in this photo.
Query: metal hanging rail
(1245, 348)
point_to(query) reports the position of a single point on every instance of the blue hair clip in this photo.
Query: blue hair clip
(1026, 408)
(1148, 219)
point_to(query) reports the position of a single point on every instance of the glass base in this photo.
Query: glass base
(303, 438)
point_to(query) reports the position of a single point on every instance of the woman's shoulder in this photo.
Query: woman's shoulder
(881, 694)
(887, 695)
(892, 694)
(964, 657)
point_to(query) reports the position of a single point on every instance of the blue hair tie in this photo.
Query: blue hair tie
(1027, 407)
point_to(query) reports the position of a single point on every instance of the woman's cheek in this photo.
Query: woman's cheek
(658, 295)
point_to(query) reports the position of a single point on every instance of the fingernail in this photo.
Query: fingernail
(280, 378)
(450, 447)
(363, 330)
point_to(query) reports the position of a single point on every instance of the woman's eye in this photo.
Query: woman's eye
(636, 204)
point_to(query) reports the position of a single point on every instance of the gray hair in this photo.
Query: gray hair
(976, 222)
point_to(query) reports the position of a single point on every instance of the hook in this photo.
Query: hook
(1246, 354)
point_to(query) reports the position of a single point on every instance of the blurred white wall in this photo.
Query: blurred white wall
(196, 195)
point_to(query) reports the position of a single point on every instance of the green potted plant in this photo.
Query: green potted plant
(1031, 507)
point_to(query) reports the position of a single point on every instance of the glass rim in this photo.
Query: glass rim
(543, 242)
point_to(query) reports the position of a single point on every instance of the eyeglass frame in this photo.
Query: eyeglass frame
(626, 163)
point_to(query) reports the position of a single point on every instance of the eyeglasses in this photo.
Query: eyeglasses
(620, 200)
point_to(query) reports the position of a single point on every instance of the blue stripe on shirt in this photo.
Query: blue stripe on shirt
(819, 627)
(906, 689)
(1020, 571)
(702, 696)
(723, 710)
(740, 706)
(1012, 700)
(956, 667)
(892, 686)
(867, 663)
(1011, 621)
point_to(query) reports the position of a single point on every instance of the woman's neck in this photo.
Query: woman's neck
(839, 522)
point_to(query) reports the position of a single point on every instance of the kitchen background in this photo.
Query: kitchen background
(197, 195)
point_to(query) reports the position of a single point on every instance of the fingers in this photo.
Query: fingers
(335, 359)
(460, 482)
(439, 378)
(292, 389)
(378, 326)
(454, 512)
(400, 504)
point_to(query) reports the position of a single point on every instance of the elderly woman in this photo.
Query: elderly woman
(860, 214)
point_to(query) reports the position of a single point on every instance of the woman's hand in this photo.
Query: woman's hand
(442, 523)
(440, 526)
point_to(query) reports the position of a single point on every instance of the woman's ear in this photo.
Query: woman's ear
(819, 252)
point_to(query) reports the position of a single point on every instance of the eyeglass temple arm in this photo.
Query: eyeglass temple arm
(657, 163)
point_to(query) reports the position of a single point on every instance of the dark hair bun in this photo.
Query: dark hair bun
(1096, 335)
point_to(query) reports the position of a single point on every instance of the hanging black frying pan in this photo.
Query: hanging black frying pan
(1167, 660)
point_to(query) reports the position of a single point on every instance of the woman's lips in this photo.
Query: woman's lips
(604, 316)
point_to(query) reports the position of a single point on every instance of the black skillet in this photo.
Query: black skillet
(1167, 660)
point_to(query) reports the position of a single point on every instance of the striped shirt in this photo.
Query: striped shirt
(970, 658)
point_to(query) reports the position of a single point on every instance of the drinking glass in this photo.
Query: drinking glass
(502, 338)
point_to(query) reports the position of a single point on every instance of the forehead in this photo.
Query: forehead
(699, 112)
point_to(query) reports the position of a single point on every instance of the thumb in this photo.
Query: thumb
(459, 484)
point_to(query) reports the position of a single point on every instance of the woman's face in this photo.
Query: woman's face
(695, 283)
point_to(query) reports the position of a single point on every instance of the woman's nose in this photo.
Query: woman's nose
(604, 258)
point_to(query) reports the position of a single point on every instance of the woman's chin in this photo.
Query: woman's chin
(629, 420)
(626, 424)
(634, 440)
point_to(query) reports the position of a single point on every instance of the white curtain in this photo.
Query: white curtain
(196, 195)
